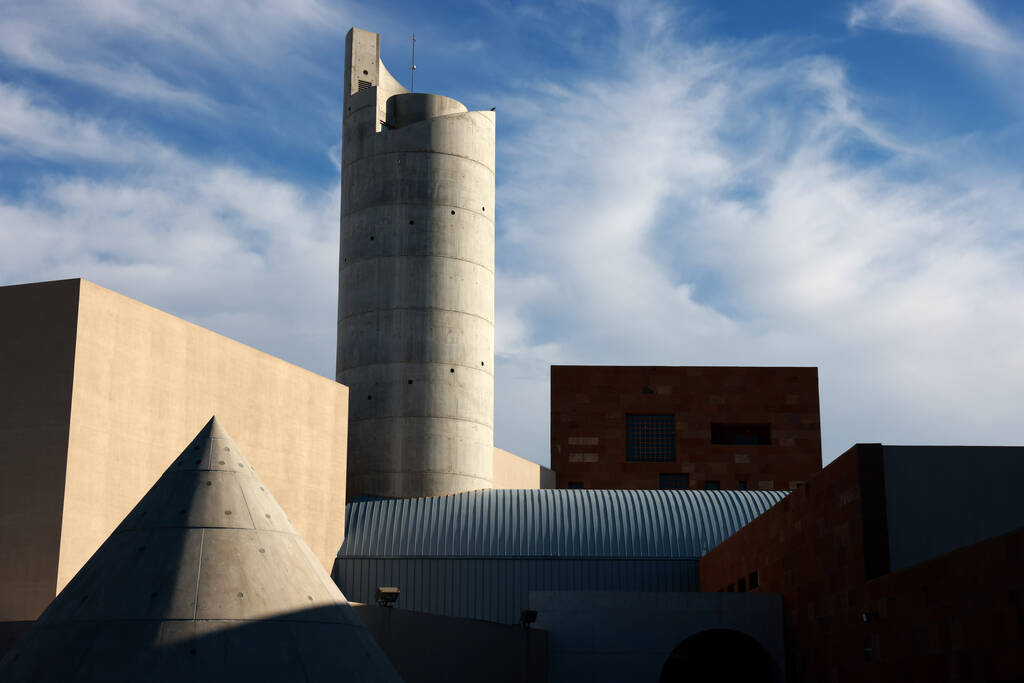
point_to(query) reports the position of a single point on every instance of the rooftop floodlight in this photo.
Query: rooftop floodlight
(527, 617)
(387, 595)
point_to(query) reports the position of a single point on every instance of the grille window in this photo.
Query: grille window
(650, 438)
(673, 481)
(364, 85)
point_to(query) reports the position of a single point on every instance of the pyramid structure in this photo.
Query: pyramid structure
(204, 580)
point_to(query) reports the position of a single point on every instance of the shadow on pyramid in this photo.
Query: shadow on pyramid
(205, 580)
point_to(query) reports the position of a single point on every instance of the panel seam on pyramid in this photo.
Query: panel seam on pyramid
(199, 573)
(245, 501)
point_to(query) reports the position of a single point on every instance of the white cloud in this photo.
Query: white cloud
(721, 205)
(959, 21)
(30, 128)
(249, 256)
(691, 204)
(160, 50)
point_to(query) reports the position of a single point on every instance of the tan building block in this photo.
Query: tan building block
(76, 457)
(513, 472)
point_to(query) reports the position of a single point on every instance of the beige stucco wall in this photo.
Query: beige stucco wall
(513, 472)
(145, 382)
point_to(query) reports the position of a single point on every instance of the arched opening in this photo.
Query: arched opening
(719, 655)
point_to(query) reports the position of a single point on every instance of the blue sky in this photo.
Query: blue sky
(837, 184)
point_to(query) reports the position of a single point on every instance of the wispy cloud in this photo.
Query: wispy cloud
(683, 201)
(247, 255)
(958, 21)
(722, 204)
(152, 50)
(33, 129)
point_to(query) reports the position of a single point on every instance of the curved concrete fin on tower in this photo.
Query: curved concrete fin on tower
(204, 580)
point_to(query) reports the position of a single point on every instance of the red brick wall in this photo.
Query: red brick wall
(958, 617)
(589, 405)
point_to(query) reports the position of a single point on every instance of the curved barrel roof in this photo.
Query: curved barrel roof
(564, 523)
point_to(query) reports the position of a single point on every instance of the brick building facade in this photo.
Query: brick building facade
(863, 600)
(637, 427)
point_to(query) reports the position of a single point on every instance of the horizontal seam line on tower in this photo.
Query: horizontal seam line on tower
(345, 214)
(416, 151)
(414, 308)
(423, 417)
(450, 258)
(416, 362)
(559, 556)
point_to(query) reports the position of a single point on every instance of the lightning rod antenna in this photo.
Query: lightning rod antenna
(412, 71)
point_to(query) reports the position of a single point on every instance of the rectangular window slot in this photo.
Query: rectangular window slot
(752, 580)
(575, 484)
(364, 85)
(728, 434)
(711, 485)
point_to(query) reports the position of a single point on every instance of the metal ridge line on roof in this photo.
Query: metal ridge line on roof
(551, 523)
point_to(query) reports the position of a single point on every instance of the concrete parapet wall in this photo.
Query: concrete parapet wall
(514, 472)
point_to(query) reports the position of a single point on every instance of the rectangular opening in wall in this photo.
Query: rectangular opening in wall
(741, 485)
(650, 438)
(575, 484)
(711, 485)
(730, 434)
(673, 481)
(364, 85)
(741, 586)
(752, 580)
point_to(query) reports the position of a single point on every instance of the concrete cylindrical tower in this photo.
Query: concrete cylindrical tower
(416, 285)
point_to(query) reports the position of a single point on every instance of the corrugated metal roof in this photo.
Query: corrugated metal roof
(551, 523)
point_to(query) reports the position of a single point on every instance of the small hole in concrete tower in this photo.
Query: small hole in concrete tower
(481, 363)
(369, 397)
(227, 512)
(410, 381)
(371, 238)
(412, 222)
(365, 72)
(483, 208)
(452, 370)
(453, 212)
